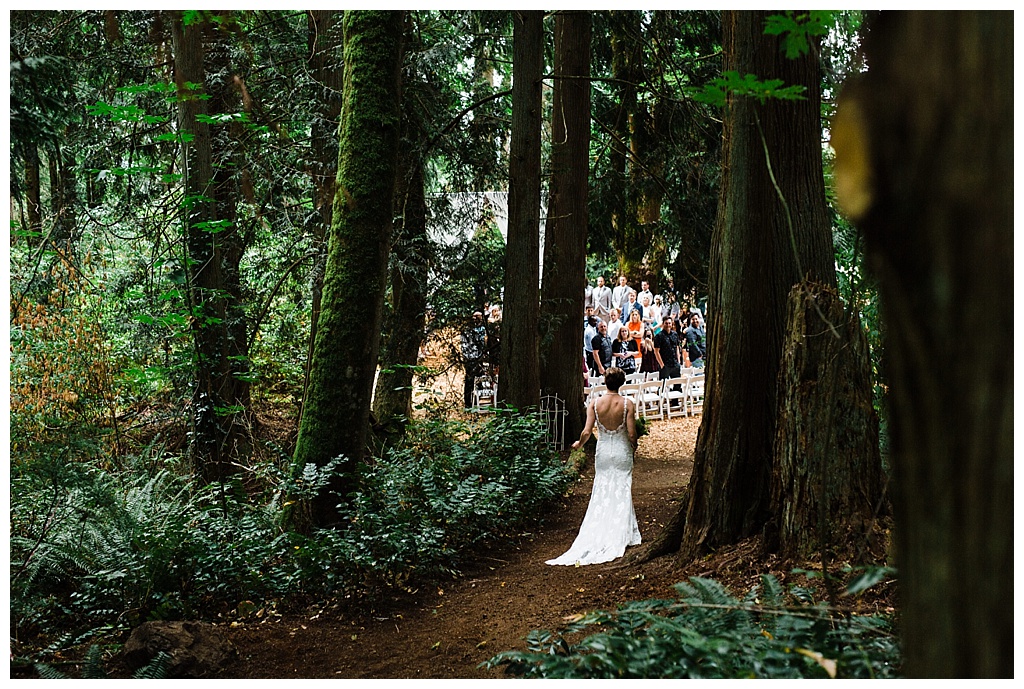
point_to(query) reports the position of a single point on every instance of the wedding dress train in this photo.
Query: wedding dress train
(610, 523)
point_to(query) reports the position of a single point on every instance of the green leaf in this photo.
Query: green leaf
(868, 578)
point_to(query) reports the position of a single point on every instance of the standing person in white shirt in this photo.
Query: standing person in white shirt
(589, 332)
(602, 298)
(614, 325)
(645, 292)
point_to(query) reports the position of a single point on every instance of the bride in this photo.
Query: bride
(610, 524)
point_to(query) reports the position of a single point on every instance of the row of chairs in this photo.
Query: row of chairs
(682, 395)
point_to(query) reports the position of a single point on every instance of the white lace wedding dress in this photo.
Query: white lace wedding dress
(610, 524)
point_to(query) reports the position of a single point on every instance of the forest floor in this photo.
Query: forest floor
(504, 592)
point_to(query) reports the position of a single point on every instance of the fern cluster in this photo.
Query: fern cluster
(708, 633)
(95, 551)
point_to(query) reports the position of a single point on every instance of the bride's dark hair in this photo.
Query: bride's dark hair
(614, 378)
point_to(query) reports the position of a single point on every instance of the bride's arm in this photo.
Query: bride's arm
(588, 429)
(631, 423)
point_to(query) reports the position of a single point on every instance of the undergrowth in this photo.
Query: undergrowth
(95, 552)
(772, 632)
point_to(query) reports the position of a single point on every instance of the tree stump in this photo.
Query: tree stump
(197, 649)
(827, 480)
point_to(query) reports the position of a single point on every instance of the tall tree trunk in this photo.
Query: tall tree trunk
(762, 246)
(327, 70)
(626, 64)
(565, 238)
(337, 407)
(213, 244)
(405, 319)
(925, 169)
(33, 194)
(64, 199)
(519, 385)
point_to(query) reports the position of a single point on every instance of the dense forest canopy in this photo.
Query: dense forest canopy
(237, 235)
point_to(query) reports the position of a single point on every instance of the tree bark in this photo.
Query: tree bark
(326, 68)
(626, 66)
(519, 385)
(209, 446)
(33, 194)
(405, 319)
(827, 482)
(337, 406)
(925, 169)
(762, 246)
(565, 238)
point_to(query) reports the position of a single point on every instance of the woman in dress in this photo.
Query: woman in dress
(624, 352)
(636, 330)
(610, 523)
(648, 359)
(656, 312)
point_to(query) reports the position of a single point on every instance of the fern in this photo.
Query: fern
(708, 633)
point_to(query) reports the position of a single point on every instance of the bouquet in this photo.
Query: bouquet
(642, 428)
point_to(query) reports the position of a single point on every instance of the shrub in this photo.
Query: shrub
(95, 551)
(707, 633)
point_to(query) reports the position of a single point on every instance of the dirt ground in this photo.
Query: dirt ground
(506, 591)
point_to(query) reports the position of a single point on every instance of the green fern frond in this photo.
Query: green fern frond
(48, 672)
(93, 668)
(156, 668)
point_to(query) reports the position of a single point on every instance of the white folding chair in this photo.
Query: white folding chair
(635, 377)
(695, 393)
(485, 393)
(673, 397)
(649, 400)
(652, 375)
(596, 391)
(596, 380)
(629, 390)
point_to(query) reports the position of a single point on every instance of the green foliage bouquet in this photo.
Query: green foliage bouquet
(642, 427)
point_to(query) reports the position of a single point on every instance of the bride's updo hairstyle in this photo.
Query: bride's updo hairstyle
(614, 378)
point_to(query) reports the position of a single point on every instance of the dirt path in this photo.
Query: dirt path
(446, 632)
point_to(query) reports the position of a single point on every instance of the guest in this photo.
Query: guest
(645, 291)
(636, 330)
(602, 348)
(656, 315)
(614, 324)
(624, 351)
(694, 336)
(633, 305)
(602, 301)
(666, 344)
(647, 313)
(474, 349)
(648, 353)
(620, 296)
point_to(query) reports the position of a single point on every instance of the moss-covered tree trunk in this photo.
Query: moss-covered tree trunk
(337, 406)
(519, 383)
(925, 163)
(326, 69)
(565, 233)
